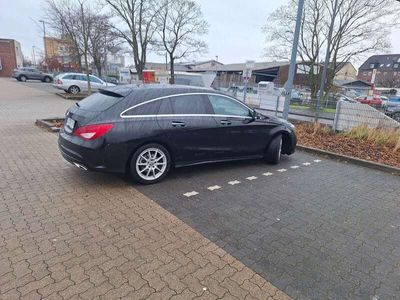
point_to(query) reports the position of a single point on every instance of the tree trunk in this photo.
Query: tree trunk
(172, 69)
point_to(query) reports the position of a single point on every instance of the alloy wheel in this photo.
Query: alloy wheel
(151, 164)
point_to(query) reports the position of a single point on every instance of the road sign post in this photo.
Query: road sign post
(246, 74)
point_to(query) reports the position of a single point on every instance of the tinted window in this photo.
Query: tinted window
(68, 77)
(98, 102)
(188, 104)
(165, 107)
(150, 108)
(225, 106)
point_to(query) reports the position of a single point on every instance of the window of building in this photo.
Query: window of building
(396, 65)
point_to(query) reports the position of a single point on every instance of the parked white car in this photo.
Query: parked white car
(75, 83)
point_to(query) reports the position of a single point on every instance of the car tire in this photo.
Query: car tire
(22, 78)
(150, 164)
(273, 153)
(73, 89)
(47, 79)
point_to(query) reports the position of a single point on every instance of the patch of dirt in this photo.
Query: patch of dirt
(325, 139)
(57, 123)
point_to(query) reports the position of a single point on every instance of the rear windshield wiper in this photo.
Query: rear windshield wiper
(77, 104)
(110, 93)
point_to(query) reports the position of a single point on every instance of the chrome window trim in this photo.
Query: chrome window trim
(186, 115)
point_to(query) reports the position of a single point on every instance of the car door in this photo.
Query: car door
(240, 134)
(81, 81)
(189, 127)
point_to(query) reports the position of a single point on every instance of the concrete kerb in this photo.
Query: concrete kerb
(357, 161)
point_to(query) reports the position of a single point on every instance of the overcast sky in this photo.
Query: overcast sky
(235, 33)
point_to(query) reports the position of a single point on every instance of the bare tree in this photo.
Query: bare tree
(62, 17)
(101, 40)
(361, 28)
(180, 24)
(136, 26)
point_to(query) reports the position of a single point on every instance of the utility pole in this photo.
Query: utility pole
(44, 41)
(326, 64)
(292, 68)
(33, 56)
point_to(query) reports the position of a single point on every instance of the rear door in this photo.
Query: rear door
(96, 83)
(189, 126)
(239, 133)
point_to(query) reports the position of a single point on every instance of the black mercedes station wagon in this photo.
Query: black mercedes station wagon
(146, 130)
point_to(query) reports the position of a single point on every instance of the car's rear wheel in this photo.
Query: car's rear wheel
(22, 78)
(73, 89)
(150, 164)
(273, 153)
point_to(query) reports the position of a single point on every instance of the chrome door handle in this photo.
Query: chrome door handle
(178, 124)
(226, 122)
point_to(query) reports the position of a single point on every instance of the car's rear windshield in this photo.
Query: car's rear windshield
(99, 102)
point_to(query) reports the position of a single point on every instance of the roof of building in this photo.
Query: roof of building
(355, 83)
(382, 62)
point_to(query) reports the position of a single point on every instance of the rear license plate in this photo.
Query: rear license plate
(69, 125)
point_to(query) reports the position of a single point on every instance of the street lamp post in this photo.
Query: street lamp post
(326, 64)
(292, 68)
(44, 41)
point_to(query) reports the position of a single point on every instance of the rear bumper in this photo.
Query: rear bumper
(92, 156)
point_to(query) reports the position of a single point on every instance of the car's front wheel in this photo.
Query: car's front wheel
(273, 153)
(22, 78)
(150, 164)
(47, 79)
(74, 90)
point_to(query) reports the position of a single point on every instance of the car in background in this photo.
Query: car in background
(392, 101)
(345, 98)
(374, 100)
(75, 83)
(145, 130)
(110, 79)
(29, 73)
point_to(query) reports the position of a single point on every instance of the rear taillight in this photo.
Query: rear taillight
(58, 81)
(92, 132)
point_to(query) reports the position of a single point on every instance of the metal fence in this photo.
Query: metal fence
(334, 111)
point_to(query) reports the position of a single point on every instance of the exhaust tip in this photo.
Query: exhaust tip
(80, 166)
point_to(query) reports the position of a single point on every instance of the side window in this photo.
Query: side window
(80, 77)
(94, 79)
(165, 107)
(229, 107)
(68, 77)
(146, 109)
(188, 104)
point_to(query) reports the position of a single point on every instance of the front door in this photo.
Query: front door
(188, 124)
(239, 133)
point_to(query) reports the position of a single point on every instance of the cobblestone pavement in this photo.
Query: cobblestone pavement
(314, 227)
(69, 234)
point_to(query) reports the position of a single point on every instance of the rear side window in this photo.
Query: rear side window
(98, 102)
(68, 77)
(188, 104)
(150, 108)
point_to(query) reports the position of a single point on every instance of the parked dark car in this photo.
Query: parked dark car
(25, 73)
(146, 130)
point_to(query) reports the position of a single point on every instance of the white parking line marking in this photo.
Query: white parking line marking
(306, 164)
(234, 182)
(251, 178)
(268, 174)
(190, 194)
(317, 160)
(282, 170)
(294, 167)
(214, 187)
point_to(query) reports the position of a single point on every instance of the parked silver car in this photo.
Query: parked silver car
(27, 73)
(74, 83)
